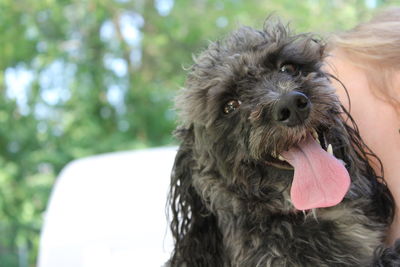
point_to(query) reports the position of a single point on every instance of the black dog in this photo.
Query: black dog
(268, 173)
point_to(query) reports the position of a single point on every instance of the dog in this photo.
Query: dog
(271, 169)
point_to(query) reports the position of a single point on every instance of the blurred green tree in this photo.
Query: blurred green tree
(85, 77)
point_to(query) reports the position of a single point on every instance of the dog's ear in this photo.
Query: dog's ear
(194, 229)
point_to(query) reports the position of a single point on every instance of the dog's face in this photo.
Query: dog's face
(256, 96)
(236, 87)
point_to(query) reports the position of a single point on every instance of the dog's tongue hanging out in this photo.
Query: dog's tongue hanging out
(320, 180)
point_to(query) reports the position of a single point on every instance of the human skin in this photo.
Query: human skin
(377, 121)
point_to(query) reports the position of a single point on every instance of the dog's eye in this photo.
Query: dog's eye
(231, 106)
(289, 69)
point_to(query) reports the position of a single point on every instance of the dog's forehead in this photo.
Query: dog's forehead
(257, 59)
(259, 64)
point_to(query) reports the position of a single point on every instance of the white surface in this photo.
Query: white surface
(109, 211)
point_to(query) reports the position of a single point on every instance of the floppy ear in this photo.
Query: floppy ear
(194, 229)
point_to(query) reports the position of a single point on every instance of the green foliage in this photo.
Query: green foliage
(88, 84)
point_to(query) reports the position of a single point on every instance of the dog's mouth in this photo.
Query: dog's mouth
(319, 179)
(277, 160)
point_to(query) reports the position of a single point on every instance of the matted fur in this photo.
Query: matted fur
(230, 208)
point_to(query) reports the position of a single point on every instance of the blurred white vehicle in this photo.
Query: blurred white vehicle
(109, 210)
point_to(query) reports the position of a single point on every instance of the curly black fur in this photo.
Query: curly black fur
(229, 207)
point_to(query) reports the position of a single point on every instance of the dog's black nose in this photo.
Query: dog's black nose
(292, 109)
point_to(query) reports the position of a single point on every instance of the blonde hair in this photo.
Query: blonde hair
(375, 47)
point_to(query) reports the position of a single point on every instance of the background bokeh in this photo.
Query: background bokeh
(82, 77)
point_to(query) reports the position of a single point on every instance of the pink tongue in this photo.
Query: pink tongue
(320, 180)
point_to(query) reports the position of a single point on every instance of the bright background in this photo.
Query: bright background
(83, 77)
